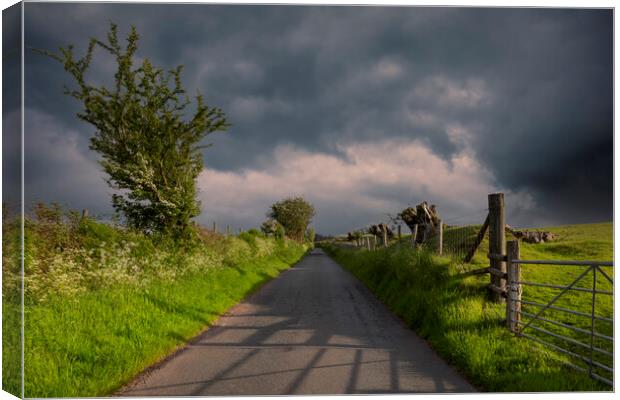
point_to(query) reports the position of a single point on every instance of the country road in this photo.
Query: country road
(313, 330)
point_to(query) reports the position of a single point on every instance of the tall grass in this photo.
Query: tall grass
(11, 306)
(458, 319)
(103, 302)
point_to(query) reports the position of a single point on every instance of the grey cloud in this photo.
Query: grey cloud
(11, 160)
(56, 164)
(11, 101)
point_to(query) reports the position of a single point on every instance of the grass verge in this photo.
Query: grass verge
(456, 317)
(103, 303)
(92, 344)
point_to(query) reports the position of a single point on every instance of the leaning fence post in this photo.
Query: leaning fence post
(497, 242)
(478, 240)
(440, 249)
(513, 305)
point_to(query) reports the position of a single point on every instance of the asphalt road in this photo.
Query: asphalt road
(313, 330)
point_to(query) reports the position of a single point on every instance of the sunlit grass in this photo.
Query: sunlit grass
(456, 316)
(103, 303)
(11, 308)
(92, 344)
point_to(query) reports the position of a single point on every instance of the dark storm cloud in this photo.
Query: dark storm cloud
(527, 91)
(11, 101)
(57, 161)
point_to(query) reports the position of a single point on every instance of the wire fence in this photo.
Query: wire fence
(459, 235)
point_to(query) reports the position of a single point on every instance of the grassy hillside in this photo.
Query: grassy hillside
(455, 315)
(102, 302)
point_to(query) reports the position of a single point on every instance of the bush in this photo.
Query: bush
(254, 232)
(280, 232)
(310, 235)
(249, 238)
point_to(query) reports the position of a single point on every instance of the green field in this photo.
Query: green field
(103, 303)
(455, 314)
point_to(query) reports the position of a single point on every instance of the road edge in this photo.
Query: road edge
(176, 351)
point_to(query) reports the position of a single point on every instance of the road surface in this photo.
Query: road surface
(313, 330)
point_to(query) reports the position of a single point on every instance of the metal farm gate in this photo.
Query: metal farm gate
(584, 335)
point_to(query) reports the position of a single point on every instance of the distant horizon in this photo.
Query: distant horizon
(221, 227)
(361, 110)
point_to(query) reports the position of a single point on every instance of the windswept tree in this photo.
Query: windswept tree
(294, 214)
(150, 150)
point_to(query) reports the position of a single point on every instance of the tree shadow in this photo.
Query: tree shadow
(314, 330)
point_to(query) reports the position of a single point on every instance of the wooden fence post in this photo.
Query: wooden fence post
(214, 227)
(478, 240)
(385, 241)
(513, 303)
(367, 242)
(440, 250)
(497, 242)
(85, 213)
(227, 230)
(414, 235)
(400, 236)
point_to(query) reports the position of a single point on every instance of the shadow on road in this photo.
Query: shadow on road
(315, 329)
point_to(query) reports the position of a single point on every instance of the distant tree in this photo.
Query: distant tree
(150, 151)
(294, 214)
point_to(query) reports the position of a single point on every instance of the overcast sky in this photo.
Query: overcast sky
(362, 110)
